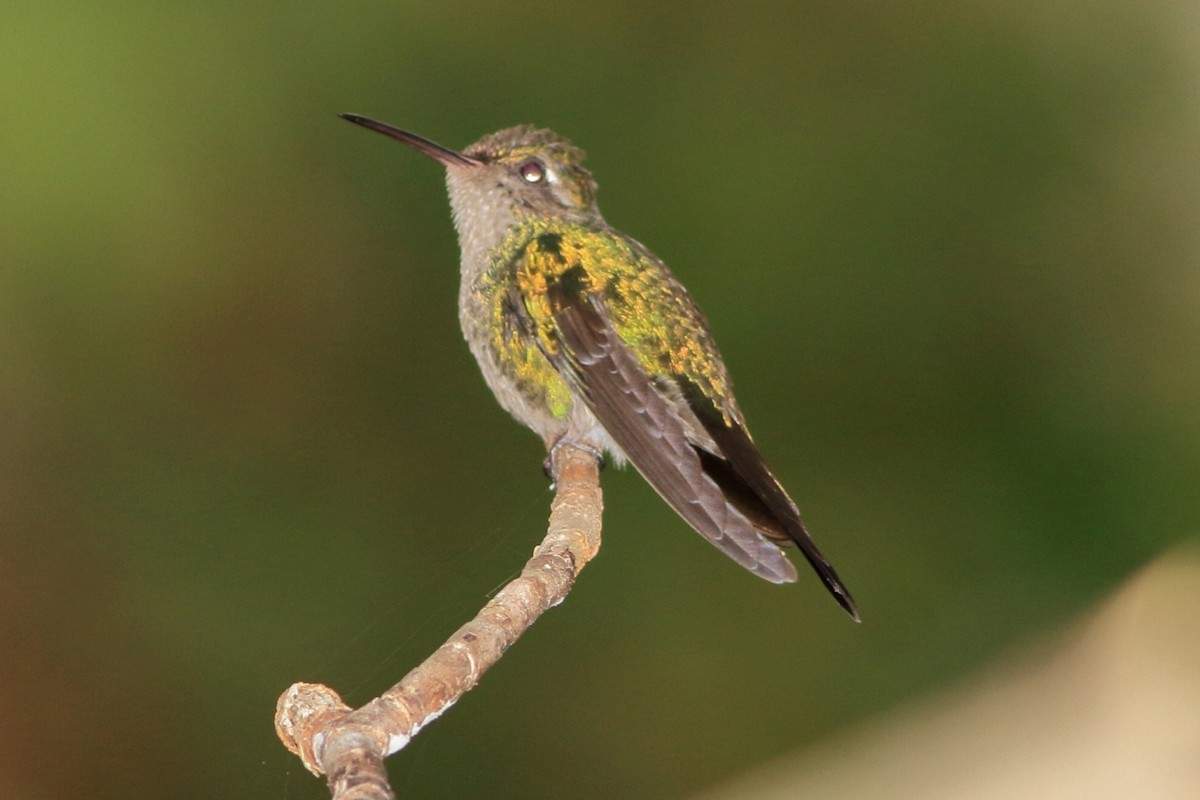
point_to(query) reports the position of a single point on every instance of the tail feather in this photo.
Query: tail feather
(754, 490)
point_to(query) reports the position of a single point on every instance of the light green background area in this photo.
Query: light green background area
(949, 251)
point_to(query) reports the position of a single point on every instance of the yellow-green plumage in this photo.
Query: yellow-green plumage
(585, 336)
(649, 312)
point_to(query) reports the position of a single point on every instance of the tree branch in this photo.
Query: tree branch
(349, 746)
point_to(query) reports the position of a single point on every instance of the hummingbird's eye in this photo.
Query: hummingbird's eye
(532, 172)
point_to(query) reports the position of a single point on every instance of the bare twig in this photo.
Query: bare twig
(349, 746)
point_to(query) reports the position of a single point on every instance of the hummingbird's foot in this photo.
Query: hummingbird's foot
(596, 452)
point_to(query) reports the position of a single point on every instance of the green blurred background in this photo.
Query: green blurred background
(949, 250)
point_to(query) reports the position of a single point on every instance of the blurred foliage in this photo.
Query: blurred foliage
(949, 251)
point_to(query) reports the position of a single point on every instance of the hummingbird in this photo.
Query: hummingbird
(585, 337)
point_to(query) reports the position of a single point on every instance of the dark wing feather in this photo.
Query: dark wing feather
(749, 484)
(650, 432)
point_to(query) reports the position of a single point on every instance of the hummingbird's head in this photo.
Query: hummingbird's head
(504, 177)
(537, 172)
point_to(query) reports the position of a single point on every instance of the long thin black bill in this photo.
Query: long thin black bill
(451, 158)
